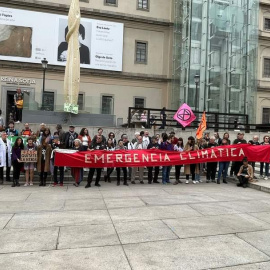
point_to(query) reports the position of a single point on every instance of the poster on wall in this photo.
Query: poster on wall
(40, 35)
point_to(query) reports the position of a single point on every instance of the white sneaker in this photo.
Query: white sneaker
(31, 184)
(266, 178)
(197, 182)
(26, 184)
(187, 181)
(194, 182)
(201, 181)
(17, 122)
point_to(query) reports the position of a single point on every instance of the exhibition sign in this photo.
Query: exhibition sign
(40, 35)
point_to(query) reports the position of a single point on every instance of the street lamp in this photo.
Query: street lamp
(44, 63)
(197, 81)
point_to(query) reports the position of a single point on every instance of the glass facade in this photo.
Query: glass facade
(217, 40)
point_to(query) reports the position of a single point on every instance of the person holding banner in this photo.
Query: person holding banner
(191, 168)
(77, 173)
(95, 145)
(223, 166)
(179, 147)
(16, 161)
(43, 161)
(211, 166)
(168, 146)
(29, 166)
(5, 157)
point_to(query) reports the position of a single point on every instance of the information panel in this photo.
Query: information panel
(28, 36)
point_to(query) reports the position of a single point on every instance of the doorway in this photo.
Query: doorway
(10, 108)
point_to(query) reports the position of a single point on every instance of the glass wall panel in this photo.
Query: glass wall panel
(218, 40)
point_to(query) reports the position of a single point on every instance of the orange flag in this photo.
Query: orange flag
(202, 127)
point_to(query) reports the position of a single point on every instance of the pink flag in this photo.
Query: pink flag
(184, 115)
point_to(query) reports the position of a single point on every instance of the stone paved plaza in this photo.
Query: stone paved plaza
(205, 226)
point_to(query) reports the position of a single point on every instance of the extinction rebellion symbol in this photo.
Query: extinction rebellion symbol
(184, 115)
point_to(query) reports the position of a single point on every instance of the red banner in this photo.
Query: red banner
(148, 158)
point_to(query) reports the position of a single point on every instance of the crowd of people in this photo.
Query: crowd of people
(44, 142)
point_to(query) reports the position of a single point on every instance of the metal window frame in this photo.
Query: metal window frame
(109, 4)
(106, 95)
(146, 52)
(144, 9)
(83, 105)
(144, 99)
(264, 17)
(263, 63)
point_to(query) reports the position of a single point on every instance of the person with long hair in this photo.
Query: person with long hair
(47, 135)
(109, 147)
(191, 169)
(111, 136)
(16, 161)
(179, 147)
(44, 151)
(29, 166)
(85, 139)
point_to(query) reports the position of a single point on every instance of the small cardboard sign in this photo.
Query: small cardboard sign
(71, 108)
(28, 156)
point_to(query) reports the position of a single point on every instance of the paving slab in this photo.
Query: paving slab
(195, 253)
(143, 231)
(4, 219)
(215, 225)
(152, 213)
(52, 219)
(96, 258)
(259, 239)
(31, 206)
(265, 216)
(11, 197)
(89, 204)
(123, 202)
(253, 266)
(87, 236)
(176, 199)
(30, 239)
(217, 208)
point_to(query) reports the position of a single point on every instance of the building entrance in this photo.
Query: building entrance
(10, 107)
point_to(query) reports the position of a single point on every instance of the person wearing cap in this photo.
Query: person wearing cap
(18, 102)
(29, 166)
(95, 145)
(191, 169)
(70, 136)
(245, 173)
(153, 145)
(237, 164)
(56, 144)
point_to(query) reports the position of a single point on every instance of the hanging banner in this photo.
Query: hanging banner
(149, 158)
(184, 115)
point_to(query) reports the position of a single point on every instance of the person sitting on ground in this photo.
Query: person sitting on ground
(245, 174)
(11, 131)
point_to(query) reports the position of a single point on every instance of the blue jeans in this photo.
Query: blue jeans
(166, 174)
(223, 169)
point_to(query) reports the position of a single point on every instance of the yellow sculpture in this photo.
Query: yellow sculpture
(72, 70)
